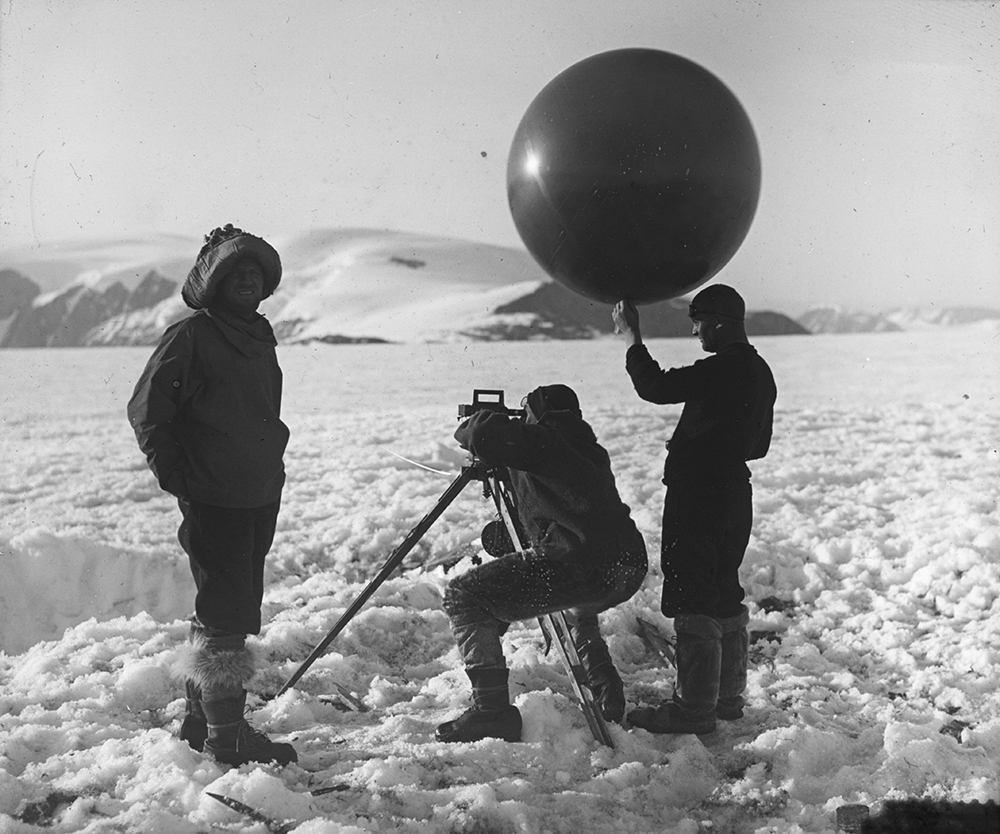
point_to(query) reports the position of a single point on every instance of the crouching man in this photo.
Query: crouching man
(206, 413)
(585, 556)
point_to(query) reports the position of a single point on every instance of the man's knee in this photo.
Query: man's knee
(453, 599)
(460, 605)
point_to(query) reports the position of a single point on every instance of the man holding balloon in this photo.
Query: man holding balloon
(707, 515)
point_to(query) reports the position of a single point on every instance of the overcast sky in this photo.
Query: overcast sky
(878, 122)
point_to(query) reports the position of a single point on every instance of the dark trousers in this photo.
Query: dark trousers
(705, 537)
(226, 549)
(484, 601)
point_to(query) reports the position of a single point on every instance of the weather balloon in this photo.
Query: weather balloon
(635, 174)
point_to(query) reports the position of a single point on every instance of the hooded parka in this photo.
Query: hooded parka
(207, 411)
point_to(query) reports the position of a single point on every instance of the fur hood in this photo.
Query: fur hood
(223, 248)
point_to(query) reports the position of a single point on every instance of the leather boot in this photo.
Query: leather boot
(231, 739)
(491, 715)
(733, 672)
(605, 682)
(194, 728)
(696, 692)
(219, 665)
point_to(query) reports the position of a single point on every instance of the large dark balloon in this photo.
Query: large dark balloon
(633, 174)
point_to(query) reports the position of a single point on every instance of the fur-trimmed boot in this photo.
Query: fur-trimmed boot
(696, 693)
(605, 682)
(231, 739)
(220, 665)
(735, 658)
(491, 716)
(194, 727)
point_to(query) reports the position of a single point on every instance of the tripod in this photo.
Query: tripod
(496, 485)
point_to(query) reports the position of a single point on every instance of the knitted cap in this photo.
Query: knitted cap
(553, 398)
(224, 248)
(719, 299)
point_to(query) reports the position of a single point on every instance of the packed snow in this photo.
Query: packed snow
(873, 579)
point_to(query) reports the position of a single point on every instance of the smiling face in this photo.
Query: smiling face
(242, 288)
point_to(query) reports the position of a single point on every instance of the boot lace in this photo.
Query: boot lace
(249, 739)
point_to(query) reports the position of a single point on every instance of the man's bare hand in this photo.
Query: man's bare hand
(626, 318)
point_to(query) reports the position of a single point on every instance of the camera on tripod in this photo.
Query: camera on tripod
(487, 399)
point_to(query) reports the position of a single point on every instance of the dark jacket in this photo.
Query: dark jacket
(206, 411)
(727, 417)
(568, 504)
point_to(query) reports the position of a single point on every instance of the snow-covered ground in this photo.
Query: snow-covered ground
(874, 573)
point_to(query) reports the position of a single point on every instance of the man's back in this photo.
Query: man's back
(567, 498)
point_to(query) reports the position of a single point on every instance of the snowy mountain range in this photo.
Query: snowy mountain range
(339, 285)
(841, 320)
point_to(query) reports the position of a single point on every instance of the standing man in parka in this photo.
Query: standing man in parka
(206, 413)
(708, 513)
(585, 556)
